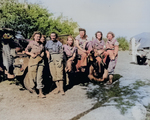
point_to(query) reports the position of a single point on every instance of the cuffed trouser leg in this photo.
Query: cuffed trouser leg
(39, 78)
(32, 71)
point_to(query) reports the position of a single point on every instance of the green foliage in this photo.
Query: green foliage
(148, 112)
(138, 84)
(28, 18)
(105, 39)
(123, 43)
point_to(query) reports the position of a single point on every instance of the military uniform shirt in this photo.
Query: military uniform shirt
(99, 45)
(54, 47)
(82, 41)
(34, 47)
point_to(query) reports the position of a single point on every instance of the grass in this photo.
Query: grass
(95, 94)
(117, 94)
(148, 112)
(124, 97)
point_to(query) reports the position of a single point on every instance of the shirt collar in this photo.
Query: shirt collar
(99, 40)
(36, 43)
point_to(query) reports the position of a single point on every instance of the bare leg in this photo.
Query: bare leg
(78, 65)
(105, 74)
(83, 62)
(83, 59)
(61, 87)
(57, 90)
(105, 54)
(91, 77)
(99, 62)
(9, 75)
(110, 79)
(41, 94)
(68, 66)
(111, 54)
(67, 79)
(99, 51)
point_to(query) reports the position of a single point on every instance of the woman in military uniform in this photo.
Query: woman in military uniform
(100, 56)
(112, 47)
(36, 63)
(70, 53)
(54, 53)
(84, 47)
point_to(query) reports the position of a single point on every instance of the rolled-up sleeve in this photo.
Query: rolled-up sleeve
(77, 38)
(116, 43)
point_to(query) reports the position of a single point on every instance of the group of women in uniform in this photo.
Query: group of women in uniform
(74, 50)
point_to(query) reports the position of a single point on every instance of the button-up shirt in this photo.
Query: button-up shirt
(99, 45)
(34, 47)
(69, 51)
(112, 43)
(54, 47)
(82, 42)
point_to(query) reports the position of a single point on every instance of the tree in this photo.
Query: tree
(28, 18)
(123, 43)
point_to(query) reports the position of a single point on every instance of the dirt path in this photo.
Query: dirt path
(21, 105)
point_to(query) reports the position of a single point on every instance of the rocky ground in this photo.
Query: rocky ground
(130, 102)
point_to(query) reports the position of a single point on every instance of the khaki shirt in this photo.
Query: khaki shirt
(34, 47)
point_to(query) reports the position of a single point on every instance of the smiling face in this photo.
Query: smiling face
(42, 39)
(82, 33)
(109, 36)
(70, 41)
(37, 37)
(98, 36)
(53, 36)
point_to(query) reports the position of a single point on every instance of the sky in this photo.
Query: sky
(125, 18)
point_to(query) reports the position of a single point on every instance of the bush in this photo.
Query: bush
(27, 18)
(123, 43)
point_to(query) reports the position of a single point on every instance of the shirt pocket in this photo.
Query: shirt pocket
(50, 49)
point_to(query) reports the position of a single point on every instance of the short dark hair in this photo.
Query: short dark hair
(82, 29)
(100, 33)
(44, 36)
(55, 34)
